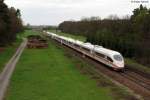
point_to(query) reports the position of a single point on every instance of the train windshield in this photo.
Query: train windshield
(118, 57)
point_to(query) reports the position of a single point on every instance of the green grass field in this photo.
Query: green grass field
(29, 32)
(8, 53)
(55, 74)
(47, 74)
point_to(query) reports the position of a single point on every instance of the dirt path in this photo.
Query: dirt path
(9, 68)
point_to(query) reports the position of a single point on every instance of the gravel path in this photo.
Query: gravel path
(9, 68)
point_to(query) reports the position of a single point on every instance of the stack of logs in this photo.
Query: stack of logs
(1, 49)
(36, 41)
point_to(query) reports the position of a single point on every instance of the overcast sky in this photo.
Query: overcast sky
(53, 12)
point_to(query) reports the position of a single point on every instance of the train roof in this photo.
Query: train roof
(100, 49)
(50, 33)
(79, 42)
(106, 51)
(88, 45)
(71, 40)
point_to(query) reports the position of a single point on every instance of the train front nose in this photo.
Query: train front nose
(120, 64)
(118, 61)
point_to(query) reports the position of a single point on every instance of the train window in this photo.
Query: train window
(118, 57)
(100, 55)
(86, 49)
(76, 45)
(108, 58)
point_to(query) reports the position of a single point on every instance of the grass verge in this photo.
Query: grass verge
(29, 32)
(47, 74)
(8, 53)
(134, 65)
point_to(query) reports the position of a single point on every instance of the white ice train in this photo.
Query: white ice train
(108, 57)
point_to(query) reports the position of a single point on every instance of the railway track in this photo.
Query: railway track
(138, 78)
(142, 81)
(134, 81)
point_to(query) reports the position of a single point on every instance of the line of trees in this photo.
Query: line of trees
(10, 24)
(129, 35)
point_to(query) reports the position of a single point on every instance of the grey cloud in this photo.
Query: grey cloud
(56, 11)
